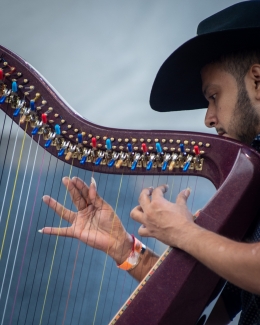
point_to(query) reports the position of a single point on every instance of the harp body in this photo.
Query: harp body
(176, 291)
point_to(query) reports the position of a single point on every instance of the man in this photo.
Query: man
(224, 62)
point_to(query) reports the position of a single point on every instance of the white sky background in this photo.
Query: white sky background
(102, 56)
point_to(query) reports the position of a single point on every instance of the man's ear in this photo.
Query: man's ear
(255, 75)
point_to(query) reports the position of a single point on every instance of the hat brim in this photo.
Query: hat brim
(177, 85)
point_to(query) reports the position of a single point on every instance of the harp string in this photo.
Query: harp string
(10, 168)
(134, 231)
(55, 248)
(27, 236)
(125, 197)
(13, 191)
(2, 132)
(117, 271)
(73, 272)
(34, 242)
(12, 237)
(74, 277)
(91, 259)
(102, 278)
(127, 226)
(4, 126)
(168, 249)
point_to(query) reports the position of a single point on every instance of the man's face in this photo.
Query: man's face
(230, 110)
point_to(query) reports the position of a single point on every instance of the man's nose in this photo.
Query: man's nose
(210, 118)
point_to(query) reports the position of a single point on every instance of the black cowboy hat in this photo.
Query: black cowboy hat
(177, 85)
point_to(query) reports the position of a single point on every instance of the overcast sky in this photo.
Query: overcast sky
(102, 56)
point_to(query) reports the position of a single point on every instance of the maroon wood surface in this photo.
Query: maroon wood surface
(181, 287)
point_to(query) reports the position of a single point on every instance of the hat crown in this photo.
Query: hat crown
(239, 16)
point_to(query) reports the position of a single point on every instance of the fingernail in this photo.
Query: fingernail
(166, 187)
(150, 190)
(187, 191)
(41, 231)
(93, 182)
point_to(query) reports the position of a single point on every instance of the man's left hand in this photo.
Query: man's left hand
(164, 220)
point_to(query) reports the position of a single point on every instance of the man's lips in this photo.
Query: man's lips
(221, 132)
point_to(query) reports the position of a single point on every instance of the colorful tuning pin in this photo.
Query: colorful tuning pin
(158, 147)
(129, 147)
(182, 149)
(57, 129)
(187, 163)
(149, 165)
(98, 161)
(83, 160)
(196, 150)
(150, 162)
(14, 87)
(135, 162)
(48, 143)
(16, 112)
(1, 75)
(108, 144)
(173, 161)
(111, 163)
(121, 160)
(165, 161)
(164, 165)
(94, 143)
(144, 147)
(32, 105)
(80, 138)
(35, 130)
(61, 152)
(44, 119)
(86, 153)
(113, 160)
(2, 99)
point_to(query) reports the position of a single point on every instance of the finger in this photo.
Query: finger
(137, 214)
(94, 198)
(143, 231)
(75, 194)
(196, 214)
(59, 209)
(144, 198)
(183, 197)
(65, 231)
(160, 191)
(82, 187)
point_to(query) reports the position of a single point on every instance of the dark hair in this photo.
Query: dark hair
(239, 63)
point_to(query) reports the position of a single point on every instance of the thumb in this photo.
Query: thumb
(143, 231)
(183, 196)
(94, 198)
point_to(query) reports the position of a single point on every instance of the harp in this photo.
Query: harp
(178, 287)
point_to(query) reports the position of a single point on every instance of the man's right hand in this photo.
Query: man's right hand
(95, 223)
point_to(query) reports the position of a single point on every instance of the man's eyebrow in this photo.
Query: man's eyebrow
(204, 91)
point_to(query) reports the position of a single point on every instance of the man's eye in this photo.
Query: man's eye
(213, 97)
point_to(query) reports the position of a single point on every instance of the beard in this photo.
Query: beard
(245, 122)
